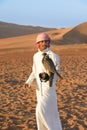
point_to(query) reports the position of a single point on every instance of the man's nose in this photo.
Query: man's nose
(43, 43)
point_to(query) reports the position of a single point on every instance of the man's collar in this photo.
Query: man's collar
(46, 50)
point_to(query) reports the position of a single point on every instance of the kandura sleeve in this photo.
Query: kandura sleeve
(57, 63)
(32, 75)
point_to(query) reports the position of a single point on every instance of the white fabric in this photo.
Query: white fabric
(47, 115)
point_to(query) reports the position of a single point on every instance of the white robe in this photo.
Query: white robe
(47, 115)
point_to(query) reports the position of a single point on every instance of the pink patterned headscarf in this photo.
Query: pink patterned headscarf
(42, 37)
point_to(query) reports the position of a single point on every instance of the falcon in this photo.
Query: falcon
(50, 67)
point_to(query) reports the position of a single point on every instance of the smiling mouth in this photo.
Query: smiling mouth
(44, 45)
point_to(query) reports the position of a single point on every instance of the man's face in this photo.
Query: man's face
(43, 44)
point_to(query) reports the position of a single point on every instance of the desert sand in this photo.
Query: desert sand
(17, 104)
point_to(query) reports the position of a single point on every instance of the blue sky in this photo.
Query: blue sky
(46, 13)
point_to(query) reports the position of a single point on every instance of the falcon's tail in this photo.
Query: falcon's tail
(51, 79)
(59, 75)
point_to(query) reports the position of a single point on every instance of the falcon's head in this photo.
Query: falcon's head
(45, 55)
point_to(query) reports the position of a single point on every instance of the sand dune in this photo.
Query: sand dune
(77, 35)
(62, 36)
(13, 30)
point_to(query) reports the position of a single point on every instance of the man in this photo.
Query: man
(47, 115)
